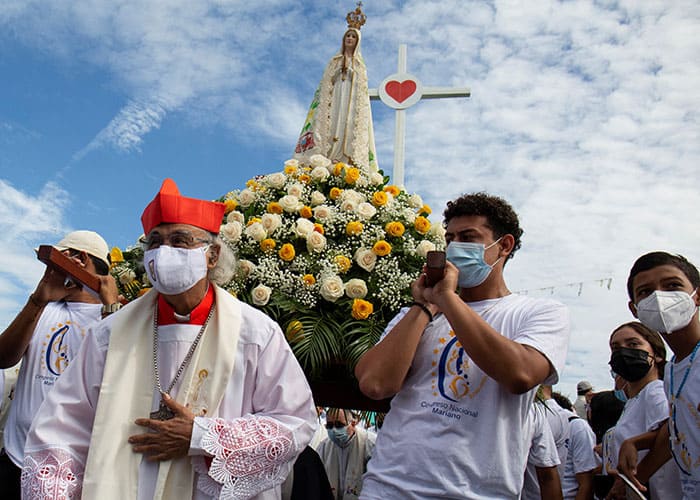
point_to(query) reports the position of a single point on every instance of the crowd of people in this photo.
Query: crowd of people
(187, 392)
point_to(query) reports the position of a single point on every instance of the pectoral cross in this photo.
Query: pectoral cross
(400, 91)
(162, 413)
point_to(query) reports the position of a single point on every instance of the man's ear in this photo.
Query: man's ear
(213, 255)
(633, 308)
(506, 244)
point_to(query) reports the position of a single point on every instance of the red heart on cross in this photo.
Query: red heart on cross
(400, 91)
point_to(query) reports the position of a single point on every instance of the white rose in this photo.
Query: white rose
(271, 222)
(415, 201)
(348, 205)
(235, 216)
(317, 198)
(315, 242)
(319, 161)
(303, 227)
(437, 231)
(276, 180)
(322, 212)
(352, 195)
(232, 231)
(295, 189)
(366, 210)
(290, 203)
(376, 178)
(356, 288)
(247, 197)
(320, 174)
(365, 258)
(256, 231)
(409, 215)
(261, 295)
(362, 182)
(332, 288)
(424, 247)
(246, 267)
(292, 163)
(127, 276)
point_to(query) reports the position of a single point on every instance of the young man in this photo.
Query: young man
(184, 393)
(345, 453)
(462, 368)
(45, 336)
(663, 292)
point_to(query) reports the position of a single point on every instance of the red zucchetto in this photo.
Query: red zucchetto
(169, 207)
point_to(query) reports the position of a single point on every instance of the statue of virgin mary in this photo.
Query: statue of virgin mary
(339, 122)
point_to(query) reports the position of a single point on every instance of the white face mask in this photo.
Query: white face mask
(666, 312)
(175, 270)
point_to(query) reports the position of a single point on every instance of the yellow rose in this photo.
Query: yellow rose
(116, 255)
(319, 228)
(290, 169)
(294, 331)
(274, 208)
(335, 193)
(338, 168)
(422, 225)
(392, 190)
(308, 279)
(381, 248)
(252, 184)
(425, 209)
(253, 220)
(306, 212)
(379, 199)
(305, 178)
(343, 263)
(267, 244)
(395, 229)
(287, 252)
(230, 206)
(354, 228)
(351, 175)
(361, 309)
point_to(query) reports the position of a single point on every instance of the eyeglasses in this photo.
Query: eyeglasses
(178, 239)
(337, 425)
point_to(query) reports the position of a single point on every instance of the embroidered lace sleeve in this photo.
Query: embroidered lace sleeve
(249, 454)
(51, 474)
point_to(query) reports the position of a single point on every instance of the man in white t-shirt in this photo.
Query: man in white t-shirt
(542, 473)
(462, 368)
(45, 336)
(584, 392)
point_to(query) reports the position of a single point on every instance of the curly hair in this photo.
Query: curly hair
(500, 216)
(655, 259)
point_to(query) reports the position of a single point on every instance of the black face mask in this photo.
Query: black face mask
(630, 364)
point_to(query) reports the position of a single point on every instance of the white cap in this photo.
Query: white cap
(85, 241)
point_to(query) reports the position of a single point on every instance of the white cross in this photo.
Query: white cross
(400, 91)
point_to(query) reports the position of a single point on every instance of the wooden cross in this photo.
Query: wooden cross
(400, 91)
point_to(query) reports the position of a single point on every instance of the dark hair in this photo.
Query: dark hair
(654, 339)
(606, 409)
(562, 400)
(100, 266)
(500, 216)
(656, 259)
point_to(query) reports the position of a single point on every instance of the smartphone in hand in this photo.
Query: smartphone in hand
(434, 267)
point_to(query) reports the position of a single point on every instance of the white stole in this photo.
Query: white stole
(126, 393)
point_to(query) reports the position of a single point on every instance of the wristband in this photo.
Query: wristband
(425, 310)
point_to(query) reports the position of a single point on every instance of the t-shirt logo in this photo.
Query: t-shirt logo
(453, 379)
(55, 355)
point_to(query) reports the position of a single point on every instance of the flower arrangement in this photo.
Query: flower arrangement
(329, 251)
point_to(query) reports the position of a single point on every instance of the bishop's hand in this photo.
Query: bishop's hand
(167, 439)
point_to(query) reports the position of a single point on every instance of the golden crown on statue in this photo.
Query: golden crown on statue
(356, 18)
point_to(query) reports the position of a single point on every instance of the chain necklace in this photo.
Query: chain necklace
(163, 412)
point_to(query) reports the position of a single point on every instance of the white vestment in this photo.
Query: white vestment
(244, 448)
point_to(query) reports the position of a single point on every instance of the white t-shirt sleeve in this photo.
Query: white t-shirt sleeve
(546, 328)
(394, 321)
(581, 443)
(543, 449)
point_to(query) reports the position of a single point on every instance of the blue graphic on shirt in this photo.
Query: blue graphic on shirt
(56, 356)
(453, 381)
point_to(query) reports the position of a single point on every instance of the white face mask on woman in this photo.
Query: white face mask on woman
(172, 270)
(666, 312)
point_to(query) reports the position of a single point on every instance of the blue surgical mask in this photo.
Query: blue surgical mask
(469, 259)
(339, 436)
(620, 394)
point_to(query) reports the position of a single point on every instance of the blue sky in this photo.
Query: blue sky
(585, 115)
